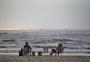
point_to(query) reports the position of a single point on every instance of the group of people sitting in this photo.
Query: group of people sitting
(27, 50)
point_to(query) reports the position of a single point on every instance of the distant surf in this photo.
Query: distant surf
(74, 41)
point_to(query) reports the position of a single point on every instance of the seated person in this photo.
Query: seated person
(53, 51)
(27, 49)
(60, 48)
(40, 53)
(33, 53)
(21, 52)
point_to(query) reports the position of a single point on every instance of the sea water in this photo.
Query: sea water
(74, 41)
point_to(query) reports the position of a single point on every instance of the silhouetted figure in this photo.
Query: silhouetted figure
(33, 53)
(39, 53)
(59, 48)
(21, 52)
(53, 51)
(27, 49)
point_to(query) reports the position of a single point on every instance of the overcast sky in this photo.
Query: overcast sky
(44, 14)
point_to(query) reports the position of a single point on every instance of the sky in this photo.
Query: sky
(44, 14)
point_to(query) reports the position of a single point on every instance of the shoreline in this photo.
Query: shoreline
(47, 54)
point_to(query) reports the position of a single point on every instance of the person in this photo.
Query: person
(53, 51)
(40, 53)
(59, 49)
(27, 49)
(21, 52)
(33, 53)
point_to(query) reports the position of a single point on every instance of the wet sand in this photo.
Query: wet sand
(45, 58)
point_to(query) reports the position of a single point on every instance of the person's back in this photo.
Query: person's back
(60, 48)
(27, 48)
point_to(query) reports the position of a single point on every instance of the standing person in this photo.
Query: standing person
(59, 48)
(27, 49)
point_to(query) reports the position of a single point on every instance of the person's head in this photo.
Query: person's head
(21, 49)
(26, 43)
(60, 45)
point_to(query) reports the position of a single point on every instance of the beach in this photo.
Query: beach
(76, 45)
(45, 58)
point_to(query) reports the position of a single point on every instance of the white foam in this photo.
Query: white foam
(63, 54)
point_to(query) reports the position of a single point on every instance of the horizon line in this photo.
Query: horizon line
(38, 29)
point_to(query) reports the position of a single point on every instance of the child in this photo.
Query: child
(21, 52)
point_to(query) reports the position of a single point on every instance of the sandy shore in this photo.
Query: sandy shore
(45, 58)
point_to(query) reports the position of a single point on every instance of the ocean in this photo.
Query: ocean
(74, 41)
